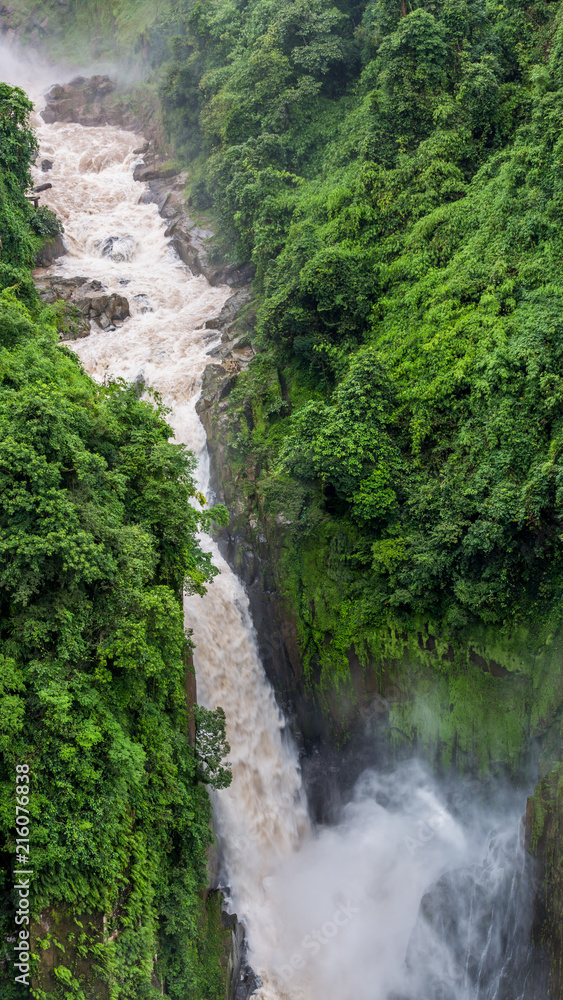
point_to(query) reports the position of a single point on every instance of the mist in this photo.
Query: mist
(34, 72)
(27, 69)
(404, 898)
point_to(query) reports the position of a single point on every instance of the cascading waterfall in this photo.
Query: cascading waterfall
(330, 913)
(114, 239)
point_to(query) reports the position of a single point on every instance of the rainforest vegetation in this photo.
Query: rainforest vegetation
(394, 171)
(394, 175)
(97, 540)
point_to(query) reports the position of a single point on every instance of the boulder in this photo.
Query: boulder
(142, 172)
(87, 301)
(104, 310)
(54, 93)
(54, 289)
(72, 324)
(234, 275)
(94, 102)
(118, 248)
(91, 287)
(50, 252)
(143, 303)
(186, 251)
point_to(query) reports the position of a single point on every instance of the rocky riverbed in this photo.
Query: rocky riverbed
(95, 102)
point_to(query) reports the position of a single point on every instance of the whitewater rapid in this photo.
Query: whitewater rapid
(330, 913)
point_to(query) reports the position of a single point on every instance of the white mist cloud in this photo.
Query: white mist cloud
(344, 912)
(24, 67)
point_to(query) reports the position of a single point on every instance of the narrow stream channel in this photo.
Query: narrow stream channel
(331, 913)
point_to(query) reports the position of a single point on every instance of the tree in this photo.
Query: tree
(212, 747)
(18, 145)
(22, 228)
(412, 75)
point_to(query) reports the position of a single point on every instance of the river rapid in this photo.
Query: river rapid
(330, 913)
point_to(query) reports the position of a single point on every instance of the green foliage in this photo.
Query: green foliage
(402, 218)
(22, 228)
(411, 74)
(98, 540)
(45, 223)
(18, 145)
(212, 747)
(346, 444)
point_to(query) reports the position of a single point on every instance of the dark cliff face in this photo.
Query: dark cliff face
(544, 839)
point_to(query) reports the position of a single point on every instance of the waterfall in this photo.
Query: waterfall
(262, 817)
(405, 897)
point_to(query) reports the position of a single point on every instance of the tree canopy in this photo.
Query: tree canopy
(392, 170)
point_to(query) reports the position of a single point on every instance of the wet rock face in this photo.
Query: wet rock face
(248, 983)
(65, 925)
(146, 172)
(474, 935)
(191, 243)
(50, 252)
(231, 354)
(544, 836)
(104, 310)
(87, 301)
(143, 303)
(190, 240)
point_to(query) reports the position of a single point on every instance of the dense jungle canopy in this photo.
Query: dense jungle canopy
(393, 171)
